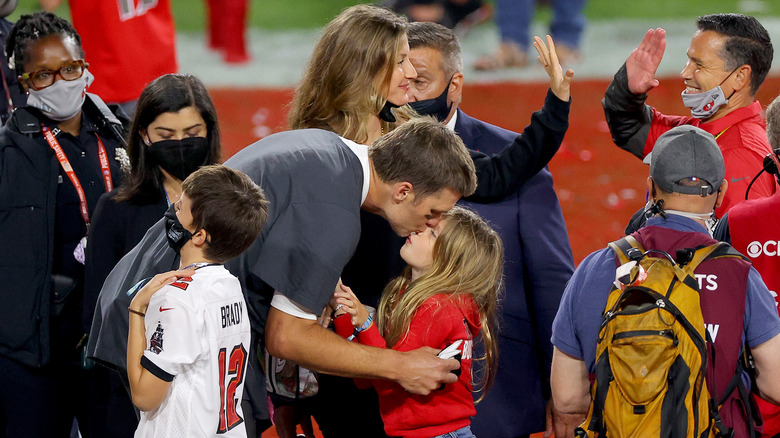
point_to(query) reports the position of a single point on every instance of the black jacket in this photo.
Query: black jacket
(628, 117)
(29, 173)
(115, 229)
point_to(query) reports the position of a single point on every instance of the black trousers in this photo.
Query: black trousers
(42, 402)
(339, 398)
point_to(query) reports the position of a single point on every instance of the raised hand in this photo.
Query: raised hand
(560, 83)
(643, 62)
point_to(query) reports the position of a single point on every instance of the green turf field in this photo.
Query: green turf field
(286, 14)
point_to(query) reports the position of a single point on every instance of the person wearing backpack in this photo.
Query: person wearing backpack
(686, 183)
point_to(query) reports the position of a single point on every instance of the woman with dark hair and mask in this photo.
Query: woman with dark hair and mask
(174, 132)
(58, 155)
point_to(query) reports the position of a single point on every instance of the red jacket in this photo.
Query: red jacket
(754, 227)
(127, 44)
(440, 321)
(741, 136)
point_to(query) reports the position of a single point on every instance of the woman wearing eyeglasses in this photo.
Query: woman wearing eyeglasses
(58, 155)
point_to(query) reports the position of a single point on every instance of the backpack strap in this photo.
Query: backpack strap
(621, 248)
(695, 256)
(714, 251)
(725, 250)
(749, 406)
(603, 376)
(702, 254)
(751, 411)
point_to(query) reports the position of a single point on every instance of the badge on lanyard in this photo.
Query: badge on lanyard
(80, 252)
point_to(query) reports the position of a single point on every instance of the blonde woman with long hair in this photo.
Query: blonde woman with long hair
(445, 297)
(357, 81)
(358, 71)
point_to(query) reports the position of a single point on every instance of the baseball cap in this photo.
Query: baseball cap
(687, 152)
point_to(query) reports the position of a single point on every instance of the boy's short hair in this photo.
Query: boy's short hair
(229, 206)
(427, 154)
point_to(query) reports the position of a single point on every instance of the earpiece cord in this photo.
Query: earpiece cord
(747, 192)
(768, 166)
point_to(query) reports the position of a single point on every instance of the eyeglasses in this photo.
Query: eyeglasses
(45, 78)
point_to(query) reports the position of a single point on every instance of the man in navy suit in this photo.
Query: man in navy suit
(538, 255)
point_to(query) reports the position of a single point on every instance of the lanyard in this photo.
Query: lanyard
(63, 159)
(721, 132)
(199, 265)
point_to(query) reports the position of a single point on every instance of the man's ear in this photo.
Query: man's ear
(742, 77)
(721, 193)
(456, 89)
(650, 189)
(402, 191)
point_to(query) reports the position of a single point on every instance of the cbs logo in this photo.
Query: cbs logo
(756, 248)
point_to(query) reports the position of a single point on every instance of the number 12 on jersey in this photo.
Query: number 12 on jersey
(231, 375)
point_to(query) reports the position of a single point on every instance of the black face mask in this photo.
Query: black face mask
(180, 157)
(438, 107)
(386, 113)
(175, 232)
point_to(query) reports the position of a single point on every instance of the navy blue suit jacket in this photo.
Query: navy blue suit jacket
(538, 263)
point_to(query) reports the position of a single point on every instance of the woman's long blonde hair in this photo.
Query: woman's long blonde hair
(468, 258)
(339, 89)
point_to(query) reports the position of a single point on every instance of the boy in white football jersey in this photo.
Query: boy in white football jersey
(189, 330)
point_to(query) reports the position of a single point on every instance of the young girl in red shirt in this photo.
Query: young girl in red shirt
(445, 297)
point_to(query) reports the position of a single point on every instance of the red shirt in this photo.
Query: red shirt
(127, 44)
(741, 135)
(440, 321)
(754, 227)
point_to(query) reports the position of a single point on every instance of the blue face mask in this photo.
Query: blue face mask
(703, 105)
(438, 107)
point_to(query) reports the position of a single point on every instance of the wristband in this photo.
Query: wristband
(141, 314)
(365, 325)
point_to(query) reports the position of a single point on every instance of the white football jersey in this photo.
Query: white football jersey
(198, 337)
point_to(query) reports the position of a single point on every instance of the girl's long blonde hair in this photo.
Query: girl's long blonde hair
(340, 88)
(468, 258)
